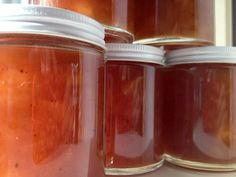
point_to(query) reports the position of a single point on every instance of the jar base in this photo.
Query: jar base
(172, 43)
(199, 165)
(133, 171)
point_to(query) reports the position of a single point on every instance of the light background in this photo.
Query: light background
(223, 22)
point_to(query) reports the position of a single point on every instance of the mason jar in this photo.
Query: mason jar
(199, 120)
(130, 72)
(49, 85)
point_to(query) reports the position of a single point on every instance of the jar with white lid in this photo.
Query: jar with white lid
(50, 63)
(199, 120)
(129, 109)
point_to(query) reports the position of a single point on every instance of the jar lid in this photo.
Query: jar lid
(134, 52)
(33, 19)
(202, 55)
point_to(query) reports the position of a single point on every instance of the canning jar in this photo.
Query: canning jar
(199, 120)
(49, 84)
(174, 23)
(116, 15)
(129, 108)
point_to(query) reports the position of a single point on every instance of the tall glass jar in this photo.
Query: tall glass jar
(174, 23)
(49, 85)
(116, 15)
(199, 121)
(129, 109)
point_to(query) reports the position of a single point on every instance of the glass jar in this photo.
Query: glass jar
(129, 109)
(49, 85)
(174, 23)
(116, 15)
(199, 120)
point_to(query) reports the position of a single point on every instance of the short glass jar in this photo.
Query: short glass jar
(116, 15)
(174, 23)
(199, 120)
(129, 109)
(49, 84)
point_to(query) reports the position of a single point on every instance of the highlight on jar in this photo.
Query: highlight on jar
(199, 122)
(128, 145)
(115, 15)
(49, 85)
(174, 24)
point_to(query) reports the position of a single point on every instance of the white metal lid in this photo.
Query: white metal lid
(202, 55)
(31, 19)
(134, 52)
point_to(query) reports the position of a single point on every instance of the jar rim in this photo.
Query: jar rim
(135, 53)
(116, 31)
(210, 54)
(36, 19)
